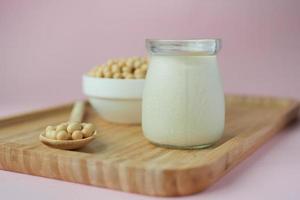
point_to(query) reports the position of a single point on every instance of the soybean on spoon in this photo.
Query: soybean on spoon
(72, 134)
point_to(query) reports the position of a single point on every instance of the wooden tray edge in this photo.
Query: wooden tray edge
(14, 118)
(199, 173)
(229, 97)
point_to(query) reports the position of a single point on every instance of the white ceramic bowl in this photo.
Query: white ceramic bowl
(115, 100)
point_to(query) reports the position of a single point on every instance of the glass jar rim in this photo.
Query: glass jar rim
(183, 47)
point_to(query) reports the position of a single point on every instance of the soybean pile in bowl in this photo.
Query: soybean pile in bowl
(115, 89)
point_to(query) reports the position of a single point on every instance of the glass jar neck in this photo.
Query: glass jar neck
(195, 47)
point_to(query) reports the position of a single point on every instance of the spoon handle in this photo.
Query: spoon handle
(77, 111)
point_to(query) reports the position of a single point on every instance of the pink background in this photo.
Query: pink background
(45, 46)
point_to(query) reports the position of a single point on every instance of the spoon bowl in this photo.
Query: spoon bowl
(67, 144)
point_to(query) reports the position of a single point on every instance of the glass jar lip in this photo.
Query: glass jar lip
(183, 47)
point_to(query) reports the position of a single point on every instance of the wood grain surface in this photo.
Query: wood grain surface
(121, 158)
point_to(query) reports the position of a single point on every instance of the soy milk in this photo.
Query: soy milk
(183, 101)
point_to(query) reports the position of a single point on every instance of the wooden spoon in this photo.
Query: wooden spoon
(76, 116)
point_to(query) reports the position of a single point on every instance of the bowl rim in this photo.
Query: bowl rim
(108, 88)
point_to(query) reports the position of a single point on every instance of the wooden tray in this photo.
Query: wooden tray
(121, 158)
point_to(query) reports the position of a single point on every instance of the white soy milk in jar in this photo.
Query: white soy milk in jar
(183, 101)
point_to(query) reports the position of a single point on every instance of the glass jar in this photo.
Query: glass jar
(183, 99)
